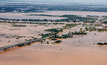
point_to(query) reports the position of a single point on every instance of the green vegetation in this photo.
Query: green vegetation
(53, 39)
(53, 30)
(66, 36)
(76, 18)
(102, 30)
(19, 25)
(105, 22)
(46, 35)
(47, 42)
(35, 38)
(58, 41)
(79, 33)
(62, 37)
(67, 18)
(54, 33)
(93, 28)
(102, 43)
(90, 28)
(67, 26)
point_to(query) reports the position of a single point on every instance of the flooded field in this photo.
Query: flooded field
(78, 50)
(12, 35)
(82, 50)
(24, 15)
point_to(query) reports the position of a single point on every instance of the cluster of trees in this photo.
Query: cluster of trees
(69, 26)
(90, 28)
(102, 43)
(19, 25)
(105, 22)
(102, 30)
(58, 41)
(76, 18)
(68, 18)
(79, 33)
(53, 30)
(46, 35)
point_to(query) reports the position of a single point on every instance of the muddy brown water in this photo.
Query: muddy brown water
(24, 15)
(80, 50)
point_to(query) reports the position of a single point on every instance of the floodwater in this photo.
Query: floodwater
(24, 15)
(79, 50)
(81, 13)
(12, 35)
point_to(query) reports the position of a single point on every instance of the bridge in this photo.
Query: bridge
(19, 44)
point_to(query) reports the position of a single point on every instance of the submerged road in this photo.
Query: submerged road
(19, 44)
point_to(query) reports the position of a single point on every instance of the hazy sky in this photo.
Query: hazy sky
(67, 1)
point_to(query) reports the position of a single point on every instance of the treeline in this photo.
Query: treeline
(76, 18)
(68, 18)
(38, 20)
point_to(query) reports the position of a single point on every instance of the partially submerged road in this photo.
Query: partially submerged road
(19, 44)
